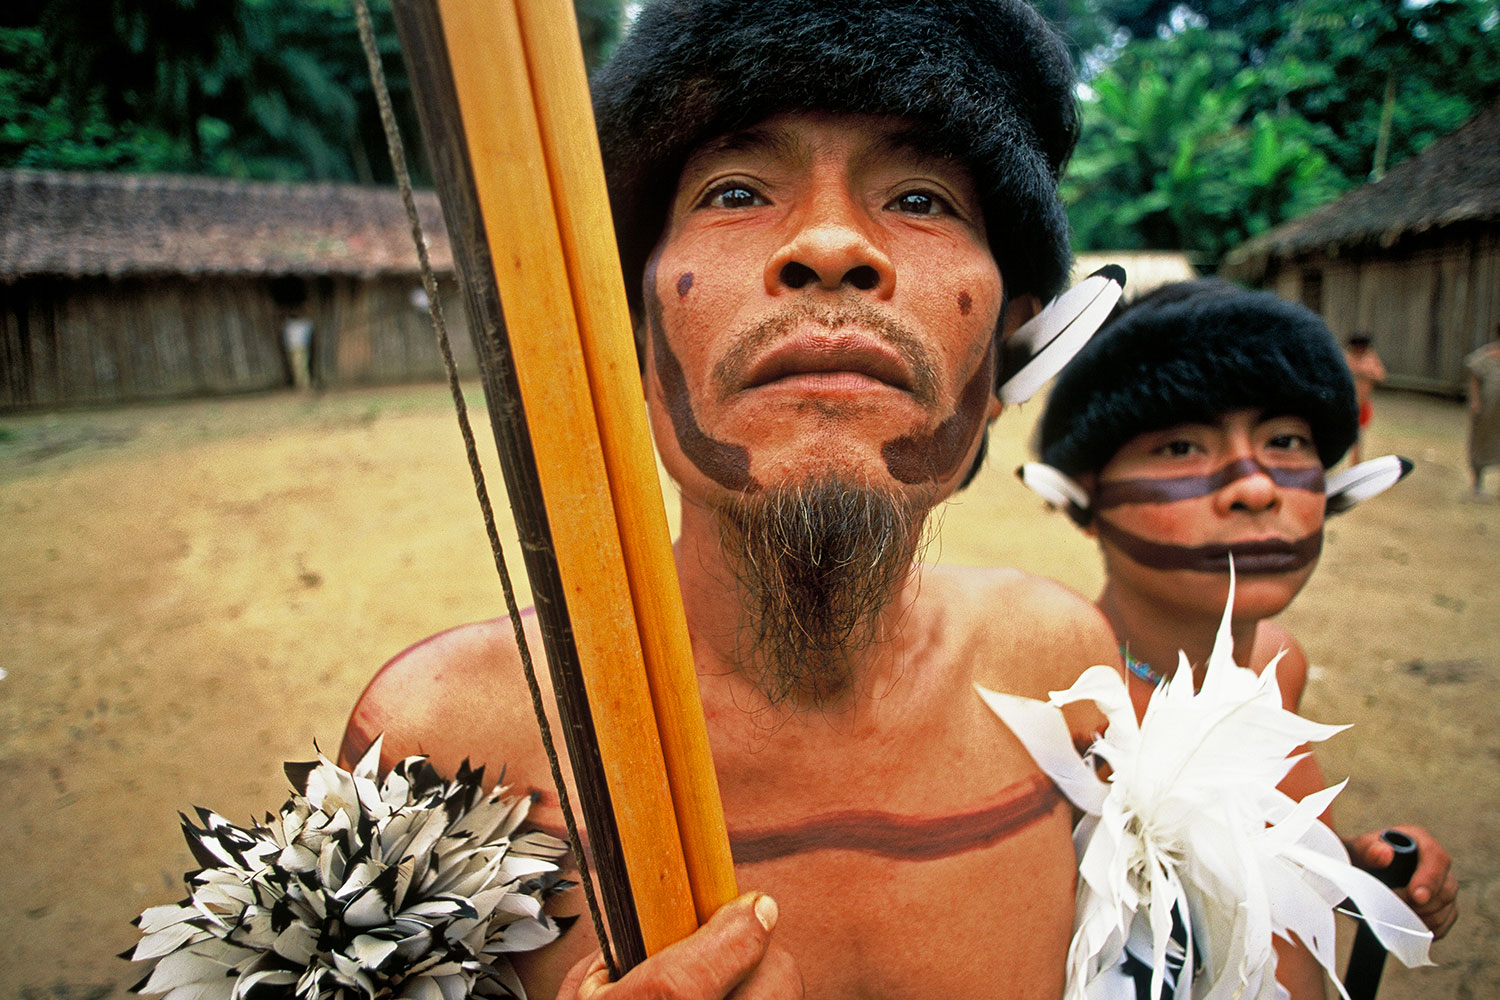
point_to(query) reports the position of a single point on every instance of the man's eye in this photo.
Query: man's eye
(919, 203)
(733, 196)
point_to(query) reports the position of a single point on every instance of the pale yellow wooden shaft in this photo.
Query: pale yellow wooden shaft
(559, 84)
(511, 179)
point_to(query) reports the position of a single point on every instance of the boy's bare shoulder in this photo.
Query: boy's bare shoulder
(1271, 640)
(1028, 635)
(456, 695)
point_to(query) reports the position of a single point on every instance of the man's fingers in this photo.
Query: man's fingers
(588, 978)
(707, 965)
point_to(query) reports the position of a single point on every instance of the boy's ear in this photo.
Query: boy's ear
(1069, 495)
(1088, 480)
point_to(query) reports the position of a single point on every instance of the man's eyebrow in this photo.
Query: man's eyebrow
(913, 143)
(772, 141)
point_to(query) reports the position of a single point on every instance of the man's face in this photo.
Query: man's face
(823, 301)
(1172, 506)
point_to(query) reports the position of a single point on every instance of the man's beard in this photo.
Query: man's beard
(818, 563)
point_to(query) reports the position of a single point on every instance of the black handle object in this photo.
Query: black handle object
(1367, 957)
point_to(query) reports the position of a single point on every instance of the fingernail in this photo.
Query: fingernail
(766, 911)
(1420, 895)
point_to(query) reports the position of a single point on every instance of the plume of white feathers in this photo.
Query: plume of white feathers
(1190, 819)
(360, 888)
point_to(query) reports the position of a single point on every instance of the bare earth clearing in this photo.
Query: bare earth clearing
(194, 593)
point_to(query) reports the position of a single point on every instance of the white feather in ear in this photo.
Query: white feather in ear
(1054, 335)
(1054, 487)
(1365, 480)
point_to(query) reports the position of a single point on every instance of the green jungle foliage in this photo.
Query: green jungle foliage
(267, 89)
(1210, 121)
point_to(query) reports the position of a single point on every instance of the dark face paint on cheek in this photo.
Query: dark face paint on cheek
(726, 464)
(1250, 558)
(920, 458)
(1115, 492)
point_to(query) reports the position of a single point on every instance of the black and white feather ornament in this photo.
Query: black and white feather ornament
(410, 886)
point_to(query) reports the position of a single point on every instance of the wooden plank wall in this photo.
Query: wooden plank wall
(1426, 309)
(67, 342)
(89, 341)
(373, 332)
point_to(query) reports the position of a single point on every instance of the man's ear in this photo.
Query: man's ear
(994, 407)
(1017, 311)
(638, 326)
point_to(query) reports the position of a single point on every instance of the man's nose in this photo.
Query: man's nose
(830, 248)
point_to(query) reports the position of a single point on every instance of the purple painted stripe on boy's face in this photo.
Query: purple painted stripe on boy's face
(1250, 558)
(1122, 491)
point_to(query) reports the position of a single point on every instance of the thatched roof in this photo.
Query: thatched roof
(91, 224)
(1454, 181)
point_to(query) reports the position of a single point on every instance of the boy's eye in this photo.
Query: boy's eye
(1291, 442)
(919, 203)
(1179, 448)
(733, 195)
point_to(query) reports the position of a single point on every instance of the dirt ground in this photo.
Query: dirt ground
(194, 593)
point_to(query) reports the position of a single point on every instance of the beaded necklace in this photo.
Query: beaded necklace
(1142, 670)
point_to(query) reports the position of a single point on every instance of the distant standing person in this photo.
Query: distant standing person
(296, 337)
(1484, 408)
(1368, 371)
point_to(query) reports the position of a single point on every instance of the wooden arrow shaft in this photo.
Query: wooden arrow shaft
(523, 151)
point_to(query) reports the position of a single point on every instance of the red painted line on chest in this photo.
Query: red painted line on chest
(904, 838)
(885, 834)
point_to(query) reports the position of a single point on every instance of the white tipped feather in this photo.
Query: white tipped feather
(1057, 333)
(1191, 818)
(1359, 483)
(1053, 486)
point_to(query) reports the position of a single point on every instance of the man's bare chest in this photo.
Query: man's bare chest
(892, 905)
(914, 867)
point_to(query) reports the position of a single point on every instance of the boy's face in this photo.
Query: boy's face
(823, 300)
(1172, 506)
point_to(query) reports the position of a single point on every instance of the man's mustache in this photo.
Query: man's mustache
(751, 343)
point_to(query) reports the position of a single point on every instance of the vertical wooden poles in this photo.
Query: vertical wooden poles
(535, 175)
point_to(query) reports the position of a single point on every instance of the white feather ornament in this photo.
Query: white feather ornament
(408, 887)
(1190, 819)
